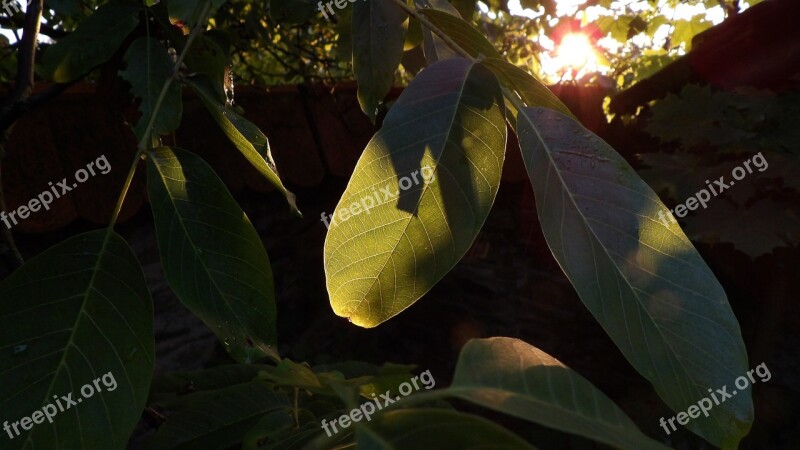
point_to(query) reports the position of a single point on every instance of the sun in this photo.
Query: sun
(573, 57)
(575, 51)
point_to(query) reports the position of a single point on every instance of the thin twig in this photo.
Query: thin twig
(27, 52)
(510, 95)
(144, 143)
(429, 25)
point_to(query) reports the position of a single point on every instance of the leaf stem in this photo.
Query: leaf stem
(144, 142)
(510, 95)
(428, 24)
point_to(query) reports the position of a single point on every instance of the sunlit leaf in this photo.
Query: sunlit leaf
(515, 378)
(640, 277)
(75, 314)
(548, 6)
(686, 29)
(212, 256)
(247, 137)
(378, 35)
(530, 90)
(423, 195)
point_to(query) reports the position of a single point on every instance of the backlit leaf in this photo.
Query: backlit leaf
(247, 137)
(462, 33)
(639, 276)
(515, 378)
(530, 90)
(424, 195)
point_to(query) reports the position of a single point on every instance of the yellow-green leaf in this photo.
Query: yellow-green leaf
(420, 192)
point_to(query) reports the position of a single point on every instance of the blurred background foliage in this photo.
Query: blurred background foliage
(289, 41)
(609, 44)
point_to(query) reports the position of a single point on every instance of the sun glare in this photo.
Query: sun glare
(575, 51)
(572, 58)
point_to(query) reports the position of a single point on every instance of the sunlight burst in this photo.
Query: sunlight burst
(572, 58)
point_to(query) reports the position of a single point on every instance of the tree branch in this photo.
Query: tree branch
(22, 90)
(27, 52)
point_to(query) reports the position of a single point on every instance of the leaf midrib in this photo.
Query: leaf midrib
(424, 190)
(545, 148)
(465, 392)
(71, 339)
(191, 241)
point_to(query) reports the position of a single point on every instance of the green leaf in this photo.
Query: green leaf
(210, 55)
(462, 33)
(149, 68)
(618, 26)
(435, 49)
(530, 90)
(378, 36)
(416, 429)
(466, 8)
(640, 277)
(686, 29)
(308, 434)
(94, 42)
(290, 373)
(515, 378)
(220, 419)
(447, 129)
(165, 390)
(414, 35)
(213, 258)
(77, 312)
(247, 137)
